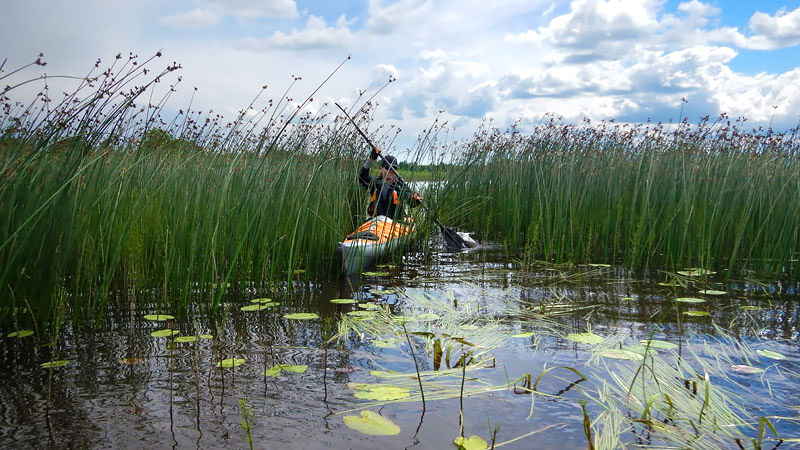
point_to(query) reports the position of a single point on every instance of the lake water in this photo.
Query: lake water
(126, 389)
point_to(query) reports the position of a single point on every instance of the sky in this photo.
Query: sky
(461, 61)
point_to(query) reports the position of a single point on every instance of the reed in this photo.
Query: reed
(709, 195)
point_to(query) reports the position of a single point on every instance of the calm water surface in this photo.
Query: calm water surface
(173, 396)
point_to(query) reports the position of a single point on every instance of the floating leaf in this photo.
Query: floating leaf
(231, 362)
(375, 274)
(185, 339)
(403, 319)
(622, 354)
(382, 291)
(369, 306)
(20, 334)
(54, 364)
(158, 317)
(696, 313)
(522, 335)
(300, 316)
(385, 266)
(343, 301)
(585, 338)
(372, 423)
(427, 316)
(298, 271)
(712, 292)
(473, 443)
(694, 272)
(770, 354)
(164, 333)
(206, 336)
(276, 370)
(690, 300)
(626, 299)
(599, 265)
(658, 344)
(750, 308)
(468, 327)
(388, 343)
(262, 300)
(380, 392)
(741, 368)
(361, 313)
(383, 373)
(253, 307)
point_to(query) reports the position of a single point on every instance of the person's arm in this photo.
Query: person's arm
(409, 196)
(363, 175)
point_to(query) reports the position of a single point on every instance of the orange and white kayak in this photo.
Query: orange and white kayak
(375, 238)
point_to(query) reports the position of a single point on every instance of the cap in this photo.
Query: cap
(389, 160)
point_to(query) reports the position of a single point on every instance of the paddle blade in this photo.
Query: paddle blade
(452, 239)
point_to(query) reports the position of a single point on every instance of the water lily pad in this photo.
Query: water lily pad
(343, 301)
(206, 336)
(254, 307)
(185, 339)
(694, 272)
(300, 316)
(370, 305)
(388, 343)
(375, 274)
(621, 354)
(712, 292)
(599, 265)
(585, 338)
(262, 300)
(372, 423)
(770, 354)
(522, 335)
(690, 300)
(382, 291)
(696, 313)
(658, 344)
(626, 299)
(158, 317)
(20, 334)
(473, 443)
(231, 362)
(54, 364)
(403, 319)
(468, 327)
(379, 392)
(750, 308)
(361, 313)
(741, 368)
(164, 333)
(276, 370)
(385, 266)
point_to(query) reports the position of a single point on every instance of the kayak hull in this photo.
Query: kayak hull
(377, 237)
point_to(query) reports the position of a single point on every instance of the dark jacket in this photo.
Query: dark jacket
(386, 198)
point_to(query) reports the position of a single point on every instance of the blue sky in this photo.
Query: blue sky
(463, 61)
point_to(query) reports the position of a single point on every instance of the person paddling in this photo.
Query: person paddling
(386, 190)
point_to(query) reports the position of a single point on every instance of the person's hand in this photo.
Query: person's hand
(374, 154)
(416, 197)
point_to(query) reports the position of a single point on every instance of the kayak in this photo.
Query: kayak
(375, 238)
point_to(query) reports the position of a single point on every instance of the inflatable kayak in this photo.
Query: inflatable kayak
(375, 238)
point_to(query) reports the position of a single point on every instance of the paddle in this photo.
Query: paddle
(451, 238)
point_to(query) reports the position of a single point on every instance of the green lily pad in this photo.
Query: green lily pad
(599, 265)
(385, 266)
(750, 308)
(382, 291)
(372, 423)
(770, 354)
(403, 319)
(712, 292)
(742, 368)
(343, 301)
(206, 336)
(473, 443)
(185, 339)
(231, 362)
(690, 300)
(428, 316)
(158, 317)
(696, 313)
(468, 327)
(54, 364)
(300, 316)
(585, 338)
(375, 274)
(370, 305)
(20, 334)
(694, 272)
(658, 344)
(276, 370)
(379, 392)
(621, 354)
(254, 307)
(626, 299)
(388, 343)
(522, 335)
(361, 313)
(262, 300)
(164, 333)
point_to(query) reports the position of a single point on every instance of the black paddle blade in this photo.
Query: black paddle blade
(452, 239)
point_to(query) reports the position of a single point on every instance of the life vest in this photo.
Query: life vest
(374, 200)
